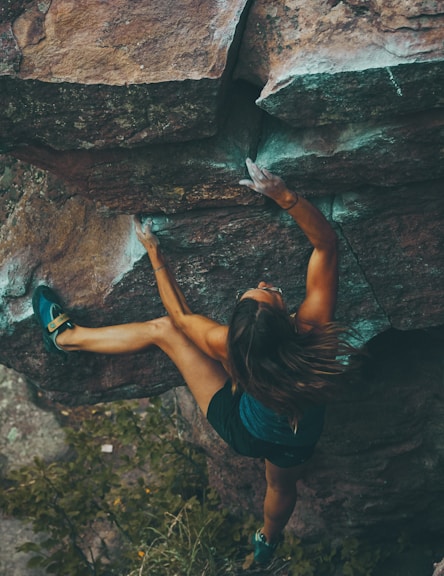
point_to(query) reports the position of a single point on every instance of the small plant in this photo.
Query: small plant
(132, 499)
(144, 505)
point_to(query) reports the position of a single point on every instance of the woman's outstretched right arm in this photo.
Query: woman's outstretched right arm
(322, 272)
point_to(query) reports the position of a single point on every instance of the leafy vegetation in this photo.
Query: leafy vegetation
(145, 508)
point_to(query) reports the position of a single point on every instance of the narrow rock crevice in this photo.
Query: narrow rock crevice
(354, 253)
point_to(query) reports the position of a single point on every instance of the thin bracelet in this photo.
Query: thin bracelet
(294, 203)
(159, 268)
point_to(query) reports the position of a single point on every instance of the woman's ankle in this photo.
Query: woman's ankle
(271, 538)
(65, 339)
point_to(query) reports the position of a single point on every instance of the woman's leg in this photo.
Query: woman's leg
(118, 339)
(203, 375)
(280, 499)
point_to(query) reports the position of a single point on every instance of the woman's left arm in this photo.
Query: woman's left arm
(170, 293)
(207, 334)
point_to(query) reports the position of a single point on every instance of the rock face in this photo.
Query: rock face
(111, 109)
(325, 62)
(377, 468)
(439, 568)
(116, 74)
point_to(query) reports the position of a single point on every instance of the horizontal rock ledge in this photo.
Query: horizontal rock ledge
(116, 74)
(315, 99)
(203, 173)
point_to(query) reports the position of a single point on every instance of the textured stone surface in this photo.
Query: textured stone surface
(439, 568)
(10, 9)
(391, 269)
(344, 100)
(325, 62)
(10, 60)
(354, 157)
(413, 254)
(117, 73)
(378, 464)
(203, 172)
(138, 43)
(25, 430)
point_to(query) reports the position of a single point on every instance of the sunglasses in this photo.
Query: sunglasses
(240, 293)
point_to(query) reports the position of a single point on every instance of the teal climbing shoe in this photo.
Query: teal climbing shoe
(263, 552)
(51, 317)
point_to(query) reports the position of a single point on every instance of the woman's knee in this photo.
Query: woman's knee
(165, 331)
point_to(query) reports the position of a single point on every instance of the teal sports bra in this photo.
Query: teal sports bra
(266, 425)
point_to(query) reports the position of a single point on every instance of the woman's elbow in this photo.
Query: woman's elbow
(177, 318)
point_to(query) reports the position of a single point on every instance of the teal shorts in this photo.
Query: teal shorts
(224, 416)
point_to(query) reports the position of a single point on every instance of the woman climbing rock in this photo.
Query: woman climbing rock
(263, 380)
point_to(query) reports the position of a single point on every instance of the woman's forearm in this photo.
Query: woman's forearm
(310, 220)
(170, 292)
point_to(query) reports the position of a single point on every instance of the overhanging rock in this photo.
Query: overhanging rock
(333, 62)
(112, 108)
(116, 73)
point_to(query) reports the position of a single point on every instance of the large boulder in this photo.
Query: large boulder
(108, 109)
(325, 62)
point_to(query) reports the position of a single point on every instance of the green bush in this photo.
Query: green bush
(145, 505)
(145, 509)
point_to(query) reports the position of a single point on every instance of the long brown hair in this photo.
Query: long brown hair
(281, 368)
